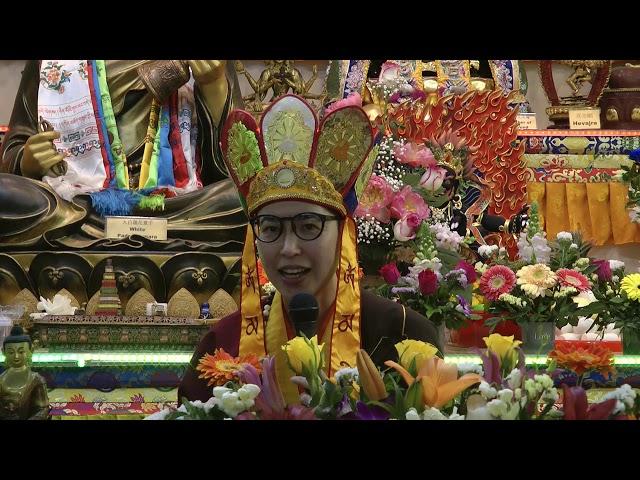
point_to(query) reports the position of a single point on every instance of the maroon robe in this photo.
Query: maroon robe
(382, 326)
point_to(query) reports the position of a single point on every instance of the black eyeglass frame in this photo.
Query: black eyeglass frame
(324, 218)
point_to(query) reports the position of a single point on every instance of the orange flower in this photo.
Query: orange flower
(222, 367)
(593, 356)
(439, 380)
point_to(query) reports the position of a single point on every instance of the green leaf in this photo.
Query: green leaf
(413, 397)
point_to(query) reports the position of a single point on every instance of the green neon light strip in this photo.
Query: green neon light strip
(82, 359)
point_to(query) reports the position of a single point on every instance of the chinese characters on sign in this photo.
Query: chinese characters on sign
(123, 227)
(584, 118)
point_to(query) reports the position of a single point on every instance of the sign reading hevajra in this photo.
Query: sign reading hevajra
(584, 118)
(123, 227)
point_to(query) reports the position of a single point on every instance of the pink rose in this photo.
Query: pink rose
(375, 199)
(414, 155)
(390, 273)
(433, 178)
(352, 100)
(407, 201)
(406, 228)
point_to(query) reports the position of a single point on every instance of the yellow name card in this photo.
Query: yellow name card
(584, 119)
(526, 121)
(123, 227)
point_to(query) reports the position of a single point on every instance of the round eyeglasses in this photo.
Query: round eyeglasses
(306, 226)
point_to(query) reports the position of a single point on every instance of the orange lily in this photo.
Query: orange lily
(439, 380)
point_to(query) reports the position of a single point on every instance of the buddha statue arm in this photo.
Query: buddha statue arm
(23, 122)
(39, 400)
(213, 86)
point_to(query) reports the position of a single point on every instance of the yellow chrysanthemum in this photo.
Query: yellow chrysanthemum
(631, 286)
(535, 279)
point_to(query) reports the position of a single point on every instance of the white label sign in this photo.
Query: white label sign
(526, 121)
(123, 227)
(584, 119)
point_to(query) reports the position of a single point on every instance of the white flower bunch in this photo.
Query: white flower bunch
(581, 263)
(387, 166)
(481, 267)
(564, 237)
(446, 238)
(268, 288)
(487, 250)
(503, 406)
(512, 300)
(616, 265)
(540, 386)
(234, 402)
(538, 246)
(565, 292)
(370, 229)
(487, 391)
(346, 375)
(634, 214)
(432, 414)
(625, 396)
(464, 368)
(514, 379)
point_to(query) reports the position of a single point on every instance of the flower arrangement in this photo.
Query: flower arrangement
(616, 305)
(630, 174)
(437, 282)
(419, 386)
(542, 284)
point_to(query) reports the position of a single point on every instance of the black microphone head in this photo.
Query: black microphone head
(303, 311)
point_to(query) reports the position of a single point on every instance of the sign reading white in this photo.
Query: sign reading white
(123, 227)
(584, 119)
(526, 121)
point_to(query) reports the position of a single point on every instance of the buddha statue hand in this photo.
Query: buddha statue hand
(519, 221)
(207, 71)
(40, 155)
(211, 80)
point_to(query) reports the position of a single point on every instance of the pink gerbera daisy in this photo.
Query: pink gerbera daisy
(572, 278)
(496, 281)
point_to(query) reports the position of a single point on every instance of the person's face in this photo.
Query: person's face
(16, 354)
(294, 265)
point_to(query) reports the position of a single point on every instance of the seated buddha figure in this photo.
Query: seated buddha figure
(87, 138)
(23, 393)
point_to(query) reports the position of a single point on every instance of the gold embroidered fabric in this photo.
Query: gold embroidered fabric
(597, 210)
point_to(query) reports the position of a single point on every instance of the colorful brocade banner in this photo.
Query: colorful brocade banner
(570, 174)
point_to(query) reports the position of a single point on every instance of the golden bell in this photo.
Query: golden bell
(163, 77)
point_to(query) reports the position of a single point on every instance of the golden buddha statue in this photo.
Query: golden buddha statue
(23, 393)
(206, 210)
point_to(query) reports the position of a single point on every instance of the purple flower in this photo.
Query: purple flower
(635, 155)
(367, 412)
(604, 270)
(270, 402)
(465, 306)
(403, 290)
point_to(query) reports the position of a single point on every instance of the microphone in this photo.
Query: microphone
(303, 311)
